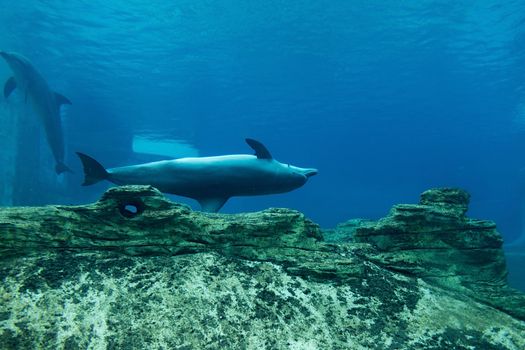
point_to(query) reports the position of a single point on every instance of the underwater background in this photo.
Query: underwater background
(386, 99)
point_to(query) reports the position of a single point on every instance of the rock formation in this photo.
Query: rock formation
(434, 240)
(135, 270)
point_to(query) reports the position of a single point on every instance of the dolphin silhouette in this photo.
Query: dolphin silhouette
(44, 101)
(209, 180)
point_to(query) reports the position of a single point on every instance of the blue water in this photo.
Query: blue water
(386, 99)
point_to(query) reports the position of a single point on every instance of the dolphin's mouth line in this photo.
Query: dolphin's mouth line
(311, 173)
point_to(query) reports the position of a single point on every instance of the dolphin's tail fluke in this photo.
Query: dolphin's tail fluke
(93, 170)
(62, 168)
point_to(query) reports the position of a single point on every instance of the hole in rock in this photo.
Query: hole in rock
(131, 208)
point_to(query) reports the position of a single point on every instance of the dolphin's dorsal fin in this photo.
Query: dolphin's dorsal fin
(9, 86)
(260, 150)
(61, 99)
(213, 204)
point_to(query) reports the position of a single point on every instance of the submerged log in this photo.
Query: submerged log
(135, 270)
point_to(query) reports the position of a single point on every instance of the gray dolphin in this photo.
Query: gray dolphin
(44, 101)
(209, 180)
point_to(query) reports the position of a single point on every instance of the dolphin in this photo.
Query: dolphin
(209, 180)
(44, 101)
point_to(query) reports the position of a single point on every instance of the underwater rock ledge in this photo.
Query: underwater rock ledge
(434, 240)
(135, 270)
(140, 221)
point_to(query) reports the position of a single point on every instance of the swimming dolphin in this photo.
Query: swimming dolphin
(45, 102)
(209, 180)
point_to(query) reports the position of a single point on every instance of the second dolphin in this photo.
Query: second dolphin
(45, 102)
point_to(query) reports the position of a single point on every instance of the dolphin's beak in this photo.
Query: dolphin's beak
(310, 172)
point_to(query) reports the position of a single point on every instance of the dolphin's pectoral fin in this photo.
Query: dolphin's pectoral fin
(9, 86)
(61, 99)
(260, 150)
(212, 205)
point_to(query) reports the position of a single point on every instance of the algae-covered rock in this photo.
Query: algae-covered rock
(434, 240)
(136, 271)
(344, 231)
